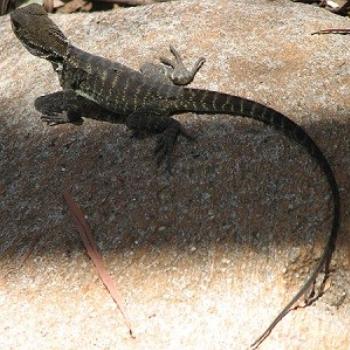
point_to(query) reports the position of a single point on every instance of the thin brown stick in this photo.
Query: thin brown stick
(333, 31)
(91, 249)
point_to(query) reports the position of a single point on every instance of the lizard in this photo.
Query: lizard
(146, 101)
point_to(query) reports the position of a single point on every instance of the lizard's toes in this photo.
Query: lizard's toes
(163, 151)
(54, 118)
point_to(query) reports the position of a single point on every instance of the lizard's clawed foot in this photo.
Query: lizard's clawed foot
(164, 149)
(167, 141)
(55, 118)
(179, 74)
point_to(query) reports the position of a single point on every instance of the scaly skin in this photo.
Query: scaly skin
(99, 88)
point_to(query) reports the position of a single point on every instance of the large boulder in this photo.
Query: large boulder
(206, 258)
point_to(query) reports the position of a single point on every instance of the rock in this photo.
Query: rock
(240, 175)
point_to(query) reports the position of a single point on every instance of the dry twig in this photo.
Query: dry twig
(91, 249)
(332, 31)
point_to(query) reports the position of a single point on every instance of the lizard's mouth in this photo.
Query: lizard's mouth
(39, 51)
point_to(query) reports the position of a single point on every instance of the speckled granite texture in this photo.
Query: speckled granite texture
(206, 258)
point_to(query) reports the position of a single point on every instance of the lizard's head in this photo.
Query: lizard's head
(39, 35)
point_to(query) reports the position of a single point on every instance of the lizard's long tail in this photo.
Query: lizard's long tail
(202, 101)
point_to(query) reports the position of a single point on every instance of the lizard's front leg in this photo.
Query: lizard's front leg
(60, 107)
(174, 71)
(151, 121)
(68, 107)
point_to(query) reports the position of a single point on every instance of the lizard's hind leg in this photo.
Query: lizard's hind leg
(153, 122)
(156, 72)
(167, 141)
(172, 71)
(177, 71)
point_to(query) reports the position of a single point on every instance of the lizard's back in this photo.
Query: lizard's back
(113, 85)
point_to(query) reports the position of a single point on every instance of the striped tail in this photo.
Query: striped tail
(203, 101)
